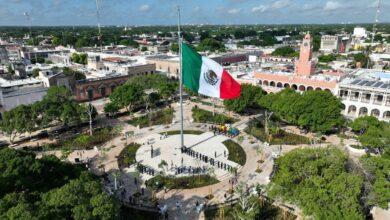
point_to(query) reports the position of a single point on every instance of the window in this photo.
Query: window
(90, 93)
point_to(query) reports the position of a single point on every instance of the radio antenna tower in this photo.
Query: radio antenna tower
(98, 23)
(374, 27)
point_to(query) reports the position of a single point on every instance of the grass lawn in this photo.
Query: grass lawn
(278, 137)
(187, 182)
(160, 117)
(84, 141)
(204, 116)
(127, 155)
(236, 152)
(184, 132)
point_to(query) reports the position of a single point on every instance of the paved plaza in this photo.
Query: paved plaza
(167, 148)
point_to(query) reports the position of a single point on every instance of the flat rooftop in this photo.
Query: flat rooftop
(19, 82)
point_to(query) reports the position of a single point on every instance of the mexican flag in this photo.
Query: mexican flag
(207, 77)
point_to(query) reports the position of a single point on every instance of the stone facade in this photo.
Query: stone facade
(365, 100)
(96, 88)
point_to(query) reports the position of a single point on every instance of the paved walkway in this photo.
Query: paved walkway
(105, 160)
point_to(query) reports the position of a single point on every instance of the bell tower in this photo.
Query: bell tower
(305, 66)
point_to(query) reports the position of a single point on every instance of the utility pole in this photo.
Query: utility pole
(98, 23)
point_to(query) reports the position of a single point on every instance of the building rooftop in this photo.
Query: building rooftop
(369, 78)
(19, 82)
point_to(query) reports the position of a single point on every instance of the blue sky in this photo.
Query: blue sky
(153, 12)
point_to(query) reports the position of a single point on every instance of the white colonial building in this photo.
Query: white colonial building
(366, 93)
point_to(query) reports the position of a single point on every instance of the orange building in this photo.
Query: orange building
(303, 78)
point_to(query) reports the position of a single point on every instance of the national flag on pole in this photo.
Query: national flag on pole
(207, 77)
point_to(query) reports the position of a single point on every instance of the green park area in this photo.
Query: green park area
(161, 117)
(127, 156)
(236, 152)
(276, 135)
(186, 182)
(84, 141)
(321, 181)
(203, 116)
(48, 188)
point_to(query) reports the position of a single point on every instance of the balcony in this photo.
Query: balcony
(365, 100)
(377, 102)
(354, 98)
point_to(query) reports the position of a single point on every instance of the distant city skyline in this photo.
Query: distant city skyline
(162, 12)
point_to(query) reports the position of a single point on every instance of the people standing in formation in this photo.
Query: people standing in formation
(206, 159)
(190, 170)
(144, 169)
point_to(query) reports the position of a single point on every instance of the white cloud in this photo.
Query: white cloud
(234, 11)
(260, 8)
(275, 6)
(197, 9)
(280, 4)
(332, 5)
(144, 8)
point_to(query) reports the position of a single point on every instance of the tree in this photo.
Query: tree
(58, 105)
(143, 49)
(70, 72)
(361, 124)
(111, 108)
(361, 58)
(129, 42)
(376, 173)
(286, 51)
(81, 58)
(175, 48)
(372, 132)
(10, 70)
(55, 41)
(326, 58)
(127, 96)
(247, 206)
(319, 181)
(249, 99)
(318, 111)
(188, 37)
(210, 44)
(151, 100)
(17, 121)
(47, 188)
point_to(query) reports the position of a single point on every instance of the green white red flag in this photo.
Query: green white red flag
(205, 76)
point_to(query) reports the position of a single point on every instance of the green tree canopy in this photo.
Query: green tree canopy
(127, 96)
(317, 111)
(377, 174)
(47, 188)
(372, 132)
(81, 58)
(326, 58)
(318, 181)
(210, 44)
(285, 52)
(249, 99)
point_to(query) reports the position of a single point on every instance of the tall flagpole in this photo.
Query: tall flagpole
(181, 79)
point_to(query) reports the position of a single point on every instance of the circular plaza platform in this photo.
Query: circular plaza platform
(203, 154)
